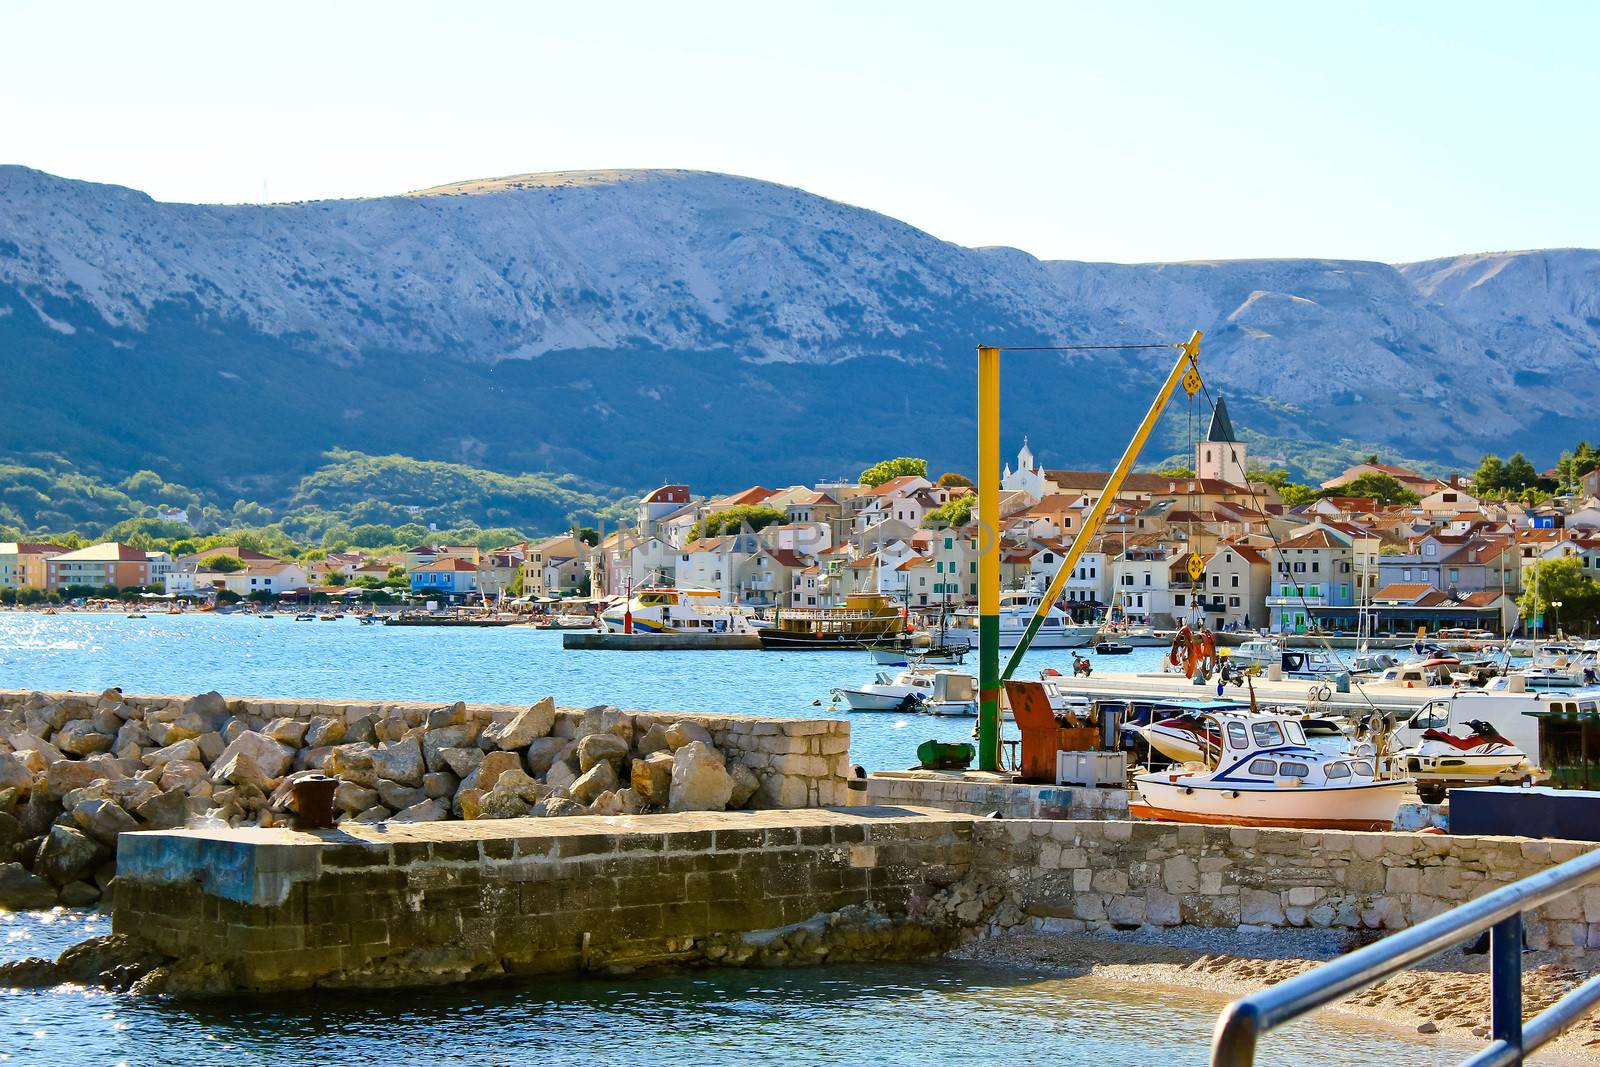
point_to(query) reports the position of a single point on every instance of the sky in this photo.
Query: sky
(1125, 131)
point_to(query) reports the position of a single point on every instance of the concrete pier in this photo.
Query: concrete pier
(417, 904)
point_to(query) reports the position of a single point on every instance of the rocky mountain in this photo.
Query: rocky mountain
(637, 326)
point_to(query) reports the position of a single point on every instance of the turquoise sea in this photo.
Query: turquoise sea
(239, 655)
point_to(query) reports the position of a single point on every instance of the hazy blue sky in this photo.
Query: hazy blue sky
(1104, 130)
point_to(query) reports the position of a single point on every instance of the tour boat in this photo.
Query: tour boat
(866, 620)
(655, 610)
(1266, 774)
(1017, 609)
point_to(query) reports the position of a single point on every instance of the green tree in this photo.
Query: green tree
(588, 535)
(1383, 488)
(1520, 473)
(371, 535)
(222, 563)
(899, 467)
(957, 512)
(952, 478)
(228, 596)
(1175, 470)
(1490, 477)
(734, 519)
(1564, 580)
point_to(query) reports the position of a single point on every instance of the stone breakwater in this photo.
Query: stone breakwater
(212, 910)
(77, 770)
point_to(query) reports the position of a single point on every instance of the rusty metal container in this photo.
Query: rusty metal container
(313, 802)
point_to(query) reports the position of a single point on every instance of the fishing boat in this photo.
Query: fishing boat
(866, 620)
(1263, 772)
(1017, 609)
(665, 610)
(1187, 736)
(305, 616)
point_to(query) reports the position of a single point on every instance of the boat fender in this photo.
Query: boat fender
(1188, 790)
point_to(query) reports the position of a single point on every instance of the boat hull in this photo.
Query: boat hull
(778, 640)
(1359, 807)
(861, 701)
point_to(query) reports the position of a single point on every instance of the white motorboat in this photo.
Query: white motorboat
(1266, 774)
(1261, 652)
(954, 693)
(1017, 609)
(1135, 636)
(887, 692)
(1187, 736)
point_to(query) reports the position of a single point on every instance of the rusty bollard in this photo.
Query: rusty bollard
(313, 802)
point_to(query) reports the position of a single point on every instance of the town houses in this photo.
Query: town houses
(1213, 543)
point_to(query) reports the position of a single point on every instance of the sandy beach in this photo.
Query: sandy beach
(1448, 995)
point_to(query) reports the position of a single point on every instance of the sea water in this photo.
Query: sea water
(933, 1012)
(239, 655)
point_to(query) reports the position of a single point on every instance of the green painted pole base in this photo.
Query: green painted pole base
(989, 693)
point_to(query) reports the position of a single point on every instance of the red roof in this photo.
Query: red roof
(1317, 538)
(669, 494)
(894, 485)
(449, 563)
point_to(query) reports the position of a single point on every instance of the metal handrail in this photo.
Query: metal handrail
(1245, 1020)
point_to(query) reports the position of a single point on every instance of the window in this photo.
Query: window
(974, 566)
(1139, 601)
(1364, 767)
(1177, 600)
(1235, 581)
(1237, 738)
(1315, 566)
(1233, 602)
(949, 543)
(1263, 767)
(1216, 580)
(1146, 577)
(1455, 574)
(1266, 734)
(1293, 770)
(1337, 770)
(1048, 558)
(1299, 566)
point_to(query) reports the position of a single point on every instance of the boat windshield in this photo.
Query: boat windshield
(1267, 734)
(1296, 734)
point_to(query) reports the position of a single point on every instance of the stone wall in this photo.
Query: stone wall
(981, 794)
(81, 771)
(1069, 876)
(439, 902)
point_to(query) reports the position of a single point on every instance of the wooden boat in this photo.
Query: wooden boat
(1266, 774)
(866, 619)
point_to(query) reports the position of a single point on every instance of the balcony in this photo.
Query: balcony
(1292, 601)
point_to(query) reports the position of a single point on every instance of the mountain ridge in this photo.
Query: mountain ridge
(725, 312)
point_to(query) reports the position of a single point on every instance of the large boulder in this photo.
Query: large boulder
(651, 778)
(81, 737)
(241, 769)
(440, 785)
(286, 731)
(436, 741)
(524, 726)
(745, 785)
(66, 775)
(103, 820)
(684, 733)
(503, 804)
(700, 781)
(397, 797)
(22, 891)
(461, 761)
(544, 751)
(562, 773)
(67, 855)
(601, 778)
(601, 748)
(557, 807)
(186, 749)
(351, 798)
(273, 757)
(400, 761)
(428, 810)
(184, 774)
(489, 770)
(653, 740)
(324, 730)
(14, 774)
(352, 762)
(164, 811)
(607, 803)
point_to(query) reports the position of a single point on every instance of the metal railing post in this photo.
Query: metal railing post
(1505, 981)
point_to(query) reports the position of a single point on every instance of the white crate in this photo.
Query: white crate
(1092, 768)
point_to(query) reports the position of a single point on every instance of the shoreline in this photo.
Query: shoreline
(1447, 996)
